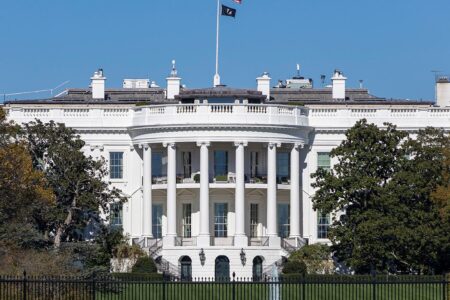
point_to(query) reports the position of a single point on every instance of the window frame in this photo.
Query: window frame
(116, 163)
(221, 220)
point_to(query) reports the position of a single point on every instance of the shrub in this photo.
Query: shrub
(197, 178)
(317, 258)
(221, 178)
(144, 265)
(295, 267)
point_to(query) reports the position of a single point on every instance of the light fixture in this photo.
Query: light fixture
(202, 257)
(243, 257)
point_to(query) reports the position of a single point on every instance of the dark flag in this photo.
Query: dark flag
(228, 11)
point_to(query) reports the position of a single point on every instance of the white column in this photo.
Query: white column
(295, 191)
(272, 190)
(204, 235)
(240, 239)
(171, 195)
(147, 192)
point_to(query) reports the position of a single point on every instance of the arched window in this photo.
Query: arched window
(222, 268)
(186, 268)
(257, 268)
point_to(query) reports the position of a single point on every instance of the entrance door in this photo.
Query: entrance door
(186, 268)
(257, 268)
(222, 271)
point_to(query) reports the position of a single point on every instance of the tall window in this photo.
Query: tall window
(283, 166)
(220, 219)
(157, 211)
(323, 161)
(116, 165)
(323, 224)
(220, 163)
(157, 162)
(254, 164)
(187, 169)
(283, 220)
(186, 222)
(254, 220)
(115, 214)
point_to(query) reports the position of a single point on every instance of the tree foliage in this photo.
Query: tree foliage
(316, 257)
(144, 265)
(77, 180)
(384, 180)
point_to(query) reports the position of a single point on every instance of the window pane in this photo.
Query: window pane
(220, 219)
(254, 164)
(186, 164)
(116, 165)
(283, 220)
(220, 163)
(323, 160)
(116, 214)
(254, 220)
(157, 221)
(157, 169)
(323, 224)
(187, 232)
(283, 166)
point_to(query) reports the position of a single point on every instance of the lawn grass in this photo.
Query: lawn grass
(262, 291)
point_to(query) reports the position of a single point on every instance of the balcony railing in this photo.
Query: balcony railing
(262, 241)
(182, 241)
(222, 241)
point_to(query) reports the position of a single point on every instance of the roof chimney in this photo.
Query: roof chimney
(263, 84)
(442, 91)
(173, 83)
(98, 85)
(338, 80)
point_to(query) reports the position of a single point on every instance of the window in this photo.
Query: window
(187, 208)
(323, 223)
(157, 221)
(254, 164)
(116, 165)
(220, 219)
(283, 166)
(283, 220)
(253, 220)
(187, 169)
(323, 161)
(115, 214)
(220, 163)
(157, 164)
(186, 268)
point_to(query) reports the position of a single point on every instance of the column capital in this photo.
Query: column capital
(169, 144)
(144, 146)
(239, 143)
(298, 145)
(274, 144)
(203, 143)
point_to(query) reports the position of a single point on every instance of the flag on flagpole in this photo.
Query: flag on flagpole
(228, 11)
(238, 1)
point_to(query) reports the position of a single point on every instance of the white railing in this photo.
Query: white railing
(76, 112)
(222, 108)
(36, 112)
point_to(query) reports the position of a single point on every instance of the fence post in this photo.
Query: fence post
(165, 277)
(234, 286)
(303, 287)
(93, 285)
(444, 287)
(24, 285)
(374, 286)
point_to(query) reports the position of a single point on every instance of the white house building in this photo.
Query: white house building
(218, 179)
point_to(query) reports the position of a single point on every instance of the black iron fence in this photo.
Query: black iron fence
(105, 287)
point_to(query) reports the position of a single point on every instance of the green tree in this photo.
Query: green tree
(316, 257)
(77, 181)
(384, 180)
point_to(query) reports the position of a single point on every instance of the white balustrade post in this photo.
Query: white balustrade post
(272, 194)
(171, 195)
(240, 239)
(204, 235)
(295, 192)
(147, 192)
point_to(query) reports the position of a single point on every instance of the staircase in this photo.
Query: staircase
(288, 245)
(153, 248)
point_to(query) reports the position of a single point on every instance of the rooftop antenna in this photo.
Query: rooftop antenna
(37, 91)
(217, 76)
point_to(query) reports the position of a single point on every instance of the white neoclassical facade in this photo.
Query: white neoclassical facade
(218, 180)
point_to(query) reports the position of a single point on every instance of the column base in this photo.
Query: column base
(169, 240)
(203, 240)
(274, 241)
(241, 241)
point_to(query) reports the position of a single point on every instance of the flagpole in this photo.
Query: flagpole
(216, 76)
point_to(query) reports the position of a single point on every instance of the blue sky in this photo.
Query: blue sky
(392, 45)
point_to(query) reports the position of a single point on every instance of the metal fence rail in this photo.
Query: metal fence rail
(110, 287)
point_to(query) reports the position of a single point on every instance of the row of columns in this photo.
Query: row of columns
(240, 237)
